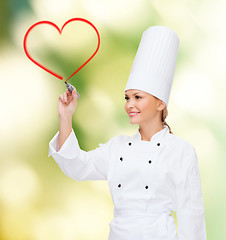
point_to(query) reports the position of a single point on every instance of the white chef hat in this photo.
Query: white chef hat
(154, 65)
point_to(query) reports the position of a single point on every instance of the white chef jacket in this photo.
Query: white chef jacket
(147, 180)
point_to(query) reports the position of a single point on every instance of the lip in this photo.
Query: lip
(133, 114)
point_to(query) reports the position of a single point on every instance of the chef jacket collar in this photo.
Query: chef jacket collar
(156, 138)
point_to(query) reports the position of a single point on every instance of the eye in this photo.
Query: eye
(138, 97)
(126, 98)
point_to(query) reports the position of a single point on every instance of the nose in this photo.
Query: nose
(130, 104)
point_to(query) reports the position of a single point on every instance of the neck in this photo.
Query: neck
(147, 131)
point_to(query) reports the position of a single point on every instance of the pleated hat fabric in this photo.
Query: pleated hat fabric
(154, 64)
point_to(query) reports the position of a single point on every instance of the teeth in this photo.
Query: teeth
(133, 113)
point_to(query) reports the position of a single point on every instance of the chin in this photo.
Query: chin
(133, 121)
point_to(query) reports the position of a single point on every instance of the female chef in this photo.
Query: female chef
(151, 173)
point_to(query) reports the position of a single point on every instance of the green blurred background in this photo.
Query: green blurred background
(37, 201)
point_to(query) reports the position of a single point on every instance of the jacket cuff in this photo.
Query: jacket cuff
(69, 149)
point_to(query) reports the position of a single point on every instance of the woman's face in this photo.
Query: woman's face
(142, 107)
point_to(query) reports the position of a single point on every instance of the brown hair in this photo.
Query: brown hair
(164, 115)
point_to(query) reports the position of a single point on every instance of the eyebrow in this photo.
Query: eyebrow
(133, 93)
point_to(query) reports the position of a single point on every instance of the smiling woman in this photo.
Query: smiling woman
(151, 173)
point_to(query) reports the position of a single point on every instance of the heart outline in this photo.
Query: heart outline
(60, 31)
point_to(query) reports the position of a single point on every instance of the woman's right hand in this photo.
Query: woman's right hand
(67, 103)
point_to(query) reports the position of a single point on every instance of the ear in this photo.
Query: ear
(161, 105)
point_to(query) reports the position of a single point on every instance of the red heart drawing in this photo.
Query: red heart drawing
(60, 31)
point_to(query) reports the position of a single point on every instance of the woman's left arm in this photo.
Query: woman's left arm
(190, 208)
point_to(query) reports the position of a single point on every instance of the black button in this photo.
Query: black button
(130, 144)
(121, 158)
(146, 187)
(158, 144)
(149, 161)
(119, 185)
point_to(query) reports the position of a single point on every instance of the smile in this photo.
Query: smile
(132, 114)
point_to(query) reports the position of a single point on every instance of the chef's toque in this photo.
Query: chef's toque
(154, 64)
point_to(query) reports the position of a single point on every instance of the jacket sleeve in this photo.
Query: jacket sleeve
(190, 207)
(78, 164)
